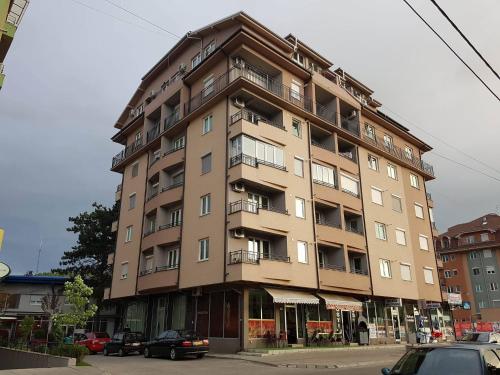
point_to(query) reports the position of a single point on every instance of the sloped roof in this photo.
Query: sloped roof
(492, 224)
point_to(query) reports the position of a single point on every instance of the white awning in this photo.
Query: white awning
(336, 302)
(292, 296)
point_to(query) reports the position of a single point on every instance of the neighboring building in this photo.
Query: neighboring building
(470, 253)
(264, 193)
(11, 13)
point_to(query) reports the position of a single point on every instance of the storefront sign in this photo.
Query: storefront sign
(410, 318)
(454, 298)
(373, 330)
(4, 271)
(393, 302)
(466, 305)
(433, 305)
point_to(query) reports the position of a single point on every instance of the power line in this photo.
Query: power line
(466, 166)
(465, 38)
(142, 18)
(451, 49)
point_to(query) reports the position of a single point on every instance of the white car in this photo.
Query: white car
(482, 337)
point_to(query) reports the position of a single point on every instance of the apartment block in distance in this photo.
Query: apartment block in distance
(265, 197)
(470, 253)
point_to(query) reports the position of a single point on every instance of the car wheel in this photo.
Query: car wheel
(173, 354)
(121, 353)
(147, 353)
(201, 355)
(105, 352)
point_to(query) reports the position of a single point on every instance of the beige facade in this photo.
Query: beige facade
(249, 166)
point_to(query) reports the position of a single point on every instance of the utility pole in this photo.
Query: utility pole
(38, 258)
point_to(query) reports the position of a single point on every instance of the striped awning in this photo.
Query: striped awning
(292, 296)
(337, 302)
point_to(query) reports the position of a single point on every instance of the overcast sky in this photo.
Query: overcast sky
(71, 70)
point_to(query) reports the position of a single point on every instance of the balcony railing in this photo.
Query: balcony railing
(253, 207)
(149, 232)
(254, 118)
(173, 149)
(276, 257)
(334, 267)
(328, 224)
(167, 267)
(326, 114)
(253, 162)
(354, 230)
(145, 272)
(129, 150)
(253, 257)
(350, 192)
(170, 225)
(320, 145)
(172, 186)
(348, 155)
(327, 184)
(171, 120)
(154, 132)
(359, 272)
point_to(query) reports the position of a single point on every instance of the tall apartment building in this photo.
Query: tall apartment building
(264, 193)
(11, 13)
(470, 254)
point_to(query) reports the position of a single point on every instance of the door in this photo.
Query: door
(258, 248)
(395, 323)
(257, 201)
(291, 324)
(176, 217)
(347, 326)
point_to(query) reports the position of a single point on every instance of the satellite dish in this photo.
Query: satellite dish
(4, 271)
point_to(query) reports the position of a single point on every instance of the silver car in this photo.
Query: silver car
(482, 337)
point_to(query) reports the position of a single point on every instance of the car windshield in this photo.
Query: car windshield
(477, 336)
(438, 361)
(189, 335)
(133, 337)
(101, 335)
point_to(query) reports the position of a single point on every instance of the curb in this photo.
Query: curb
(264, 353)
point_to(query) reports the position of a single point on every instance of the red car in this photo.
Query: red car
(94, 341)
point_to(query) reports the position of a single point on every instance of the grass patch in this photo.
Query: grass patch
(82, 363)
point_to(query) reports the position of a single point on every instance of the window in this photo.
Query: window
(298, 167)
(131, 201)
(449, 289)
(203, 247)
(476, 271)
(473, 255)
(148, 264)
(36, 300)
(452, 257)
(479, 288)
(208, 86)
(428, 277)
(302, 255)
(209, 49)
(408, 152)
(380, 231)
(124, 271)
(322, 174)
(264, 153)
(176, 217)
(405, 272)
(372, 162)
(172, 258)
(490, 270)
(377, 196)
(298, 58)
(447, 274)
(388, 141)
(419, 211)
(484, 237)
(206, 163)
(300, 208)
(370, 131)
(414, 181)
(400, 236)
(297, 128)
(349, 185)
(457, 289)
(385, 268)
(487, 253)
(128, 233)
(493, 286)
(445, 258)
(397, 205)
(179, 143)
(195, 61)
(431, 215)
(470, 239)
(295, 90)
(455, 272)
(424, 242)
(135, 169)
(482, 304)
(205, 205)
(207, 124)
(392, 172)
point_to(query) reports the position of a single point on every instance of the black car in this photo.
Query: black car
(452, 359)
(176, 344)
(124, 343)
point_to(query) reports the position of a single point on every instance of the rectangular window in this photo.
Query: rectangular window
(208, 86)
(405, 272)
(176, 217)
(428, 276)
(372, 162)
(473, 255)
(445, 258)
(370, 131)
(302, 255)
(207, 124)
(148, 263)
(476, 271)
(131, 201)
(397, 205)
(300, 208)
(408, 152)
(484, 237)
(349, 185)
(400, 236)
(380, 231)
(414, 181)
(490, 270)
(209, 49)
(263, 152)
(482, 305)
(298, 167)
(385, 268)
(455, 272)
(203, 247)
(195, 61)
(447, 274)
(392, 172)
(388, 141)
(298, 58)
(487, 253)
(35, 300)
(172, 258)
(377, 196)
(128, 234)
(124, 271)
(493, 286)
(206, 163)
(179, 143)
(479, 288)
(205, 205)
(295, 90)
(419, 211)
(297, 128)
(424, 242)
(135, 169)
(322, 174)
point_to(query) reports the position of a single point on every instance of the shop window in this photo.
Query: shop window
(261, 314)
(179, 312)
(231, 314)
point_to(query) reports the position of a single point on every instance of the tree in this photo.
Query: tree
(78, 296)
(51, 304)
(89, 257)
(25, 327)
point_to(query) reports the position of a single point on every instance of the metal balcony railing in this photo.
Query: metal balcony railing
(328, 223)
(253, 207)
(254, 118)
(171, 120)
(359, 272)
(253, 162)
(333, 267)
(167, 267)
(170, 225)
(354, 230)
(129, 150)
(253, 257)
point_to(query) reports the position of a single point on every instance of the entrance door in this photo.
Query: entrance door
(347, 326)
(291, 324)
(395, 323)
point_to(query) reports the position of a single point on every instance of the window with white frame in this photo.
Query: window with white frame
(172, 258)
(207, 124)
(490, 270)
(297, 128)
(449, 288)
(206, 163)
(392, 172)
(419, 211)
(447, 274)
(409, 152)
(476, 271)
(388, 142)
(377, 196)
(179, 143)
(414, 181)
(295, 89)
(300, 207)
(322, 174)
(263, 152)
(473, 255)
(487, 253)
(400, 236)
(423, 241)
(203, 249)
(428, 276)
(494, 286)
(349, 185)
(205, 205)
(485, 237)
(372, 162)
(128, 233)
(209, 49)
(479, 288)
(380, 231)
(36, 300)
(135, 169)
(124, 271)
(195, 61)
(397, 205)
(208, 85)
(131, 201)
(148, 263)
(431, 215)
(298, 166)
(405, 272)
(446, 258)
(302, 255)
(482, 305)
(370, 131)
(298, 58)
(385, 268)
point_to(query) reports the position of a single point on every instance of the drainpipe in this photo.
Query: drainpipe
(226, 237)
(189, 36)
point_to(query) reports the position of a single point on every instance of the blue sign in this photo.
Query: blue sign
(466, 305)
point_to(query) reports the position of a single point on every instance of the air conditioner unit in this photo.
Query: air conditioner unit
(239, 187)
(238, 61)
(239, 233)
(238, 102)
(182, 68)
(197, 292)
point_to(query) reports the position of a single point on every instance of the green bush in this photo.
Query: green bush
(39, 334)
(73, 351)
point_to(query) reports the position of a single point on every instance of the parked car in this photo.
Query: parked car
(176, 344)
(94, 341)
(124, 343)
(482, 337)
(458, 359)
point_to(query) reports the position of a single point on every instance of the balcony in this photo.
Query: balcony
(167, 195)
(111, 259)
(430, 202)
(249, 168)
(166, 234)
(169, 159)
(114, 226)
(158, 280)
(118, 193)
(128, 151)
(247, 214)
(252, 257)
(344, 281)
(258, 125)
(252, 266)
